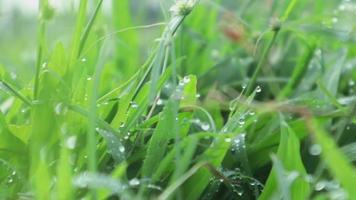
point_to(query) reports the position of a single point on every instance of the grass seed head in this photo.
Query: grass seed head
(182, 7)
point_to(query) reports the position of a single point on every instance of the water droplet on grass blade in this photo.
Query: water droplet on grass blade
(122, 149)
(315, 150)
(159, 102)
(242, 121)
(258, 89)
(228, 140)
(186, 79)
(205, 126)
(71, 142)
(320, 185)
(133, 104)
(134, 182)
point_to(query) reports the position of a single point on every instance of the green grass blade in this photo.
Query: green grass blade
(289, 155)
(336, 161)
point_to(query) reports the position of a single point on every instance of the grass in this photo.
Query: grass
(179, 100)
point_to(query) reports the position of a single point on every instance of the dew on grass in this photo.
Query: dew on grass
(71, 142)
(89, 78)
(122, 125)
(122, 149)
(197, 95)
(44, 65)
(83, 59)
(228, 140)
(315, 149)
(134, 182)
(186, 79)
(242, 121)
(240, 192)
(159, 102)
(133, 104)
(11, 180)
(258, 89)
(244, 86)
(320, 185)
(205, 126)
(351, 83)
(252, 113)
(60, 109)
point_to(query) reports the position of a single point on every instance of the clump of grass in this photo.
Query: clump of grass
(214, 102)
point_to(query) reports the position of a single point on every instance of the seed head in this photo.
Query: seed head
(182, 7)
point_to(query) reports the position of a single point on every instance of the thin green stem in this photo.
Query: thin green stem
(41, 35)
(261, 62)
(16, 93)
(87, 29)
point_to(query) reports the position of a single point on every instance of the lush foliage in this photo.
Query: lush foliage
(205, 99)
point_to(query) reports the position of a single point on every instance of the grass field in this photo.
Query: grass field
(209, 99)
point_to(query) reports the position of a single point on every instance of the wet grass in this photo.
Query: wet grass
(193, 100)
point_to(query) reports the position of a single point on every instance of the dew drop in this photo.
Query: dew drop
(59, 109)
(84, 60)
(89, 78)
(186, 79)
(258, 89)
(122, 149)
(134, 182)
(320, 185)
(44, 65)
(242, 121)
(134, 104)
(205, 126)
(159, 102)
(228, 140)
(71, 142)
(315, 150)
(351, 83)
